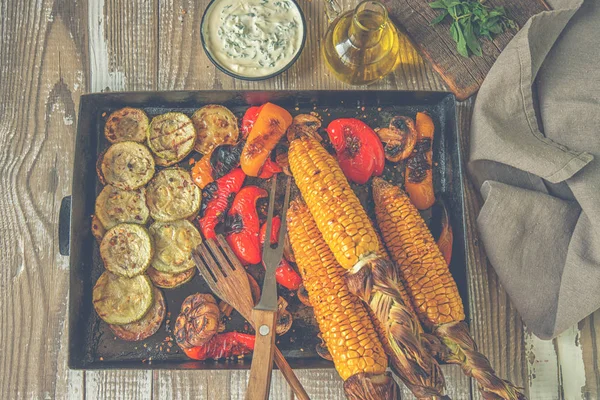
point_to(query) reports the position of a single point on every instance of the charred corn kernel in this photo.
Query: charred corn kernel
(422, 265)
(311, 164)
(336, 309)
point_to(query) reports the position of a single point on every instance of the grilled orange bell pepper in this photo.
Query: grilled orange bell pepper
(269, 127)
(419, 174)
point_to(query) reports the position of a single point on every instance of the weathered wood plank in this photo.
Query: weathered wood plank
(322, 383)
(117, 385)
(542, 365)
(183, 63)
(123, 45)
(590, 327)
(42, 74)
(571, 366)
(495, 324)
(462, 75)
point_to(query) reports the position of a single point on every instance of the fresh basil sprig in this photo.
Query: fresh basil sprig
(472, 20)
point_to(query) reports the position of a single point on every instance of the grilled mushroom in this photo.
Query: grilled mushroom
(284, 317)
(303, 296)
(399, 139)
(322, 350)
(304, 124)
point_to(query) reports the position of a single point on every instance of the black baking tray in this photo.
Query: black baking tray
(91, 343)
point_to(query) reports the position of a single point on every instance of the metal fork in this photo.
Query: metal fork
(264, 313)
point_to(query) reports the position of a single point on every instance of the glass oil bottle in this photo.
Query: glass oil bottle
(361, 46)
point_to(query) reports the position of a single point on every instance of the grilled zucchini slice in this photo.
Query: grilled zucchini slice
(172, 195)
(170, 281)
(174, 242)
(127, 125)
(148, 325)
(215, 125)
(126, 166)
(126, 250)
(120, 300)
(171, 137)
(115, 206)
(97, 229)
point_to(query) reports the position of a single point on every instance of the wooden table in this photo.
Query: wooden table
(53, 51)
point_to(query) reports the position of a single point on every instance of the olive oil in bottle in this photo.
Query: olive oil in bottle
(362, 46)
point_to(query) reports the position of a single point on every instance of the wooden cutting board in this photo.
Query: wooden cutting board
(462, 75)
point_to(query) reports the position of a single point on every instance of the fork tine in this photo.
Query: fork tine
(210, 280)
(267, 243)
(201, 266)
(209, 261)
(234, 262)
(286, 203)
(217, 253)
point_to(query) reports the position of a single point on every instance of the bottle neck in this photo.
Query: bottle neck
(368, 23)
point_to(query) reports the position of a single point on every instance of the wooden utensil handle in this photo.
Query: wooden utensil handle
(261, 368)
(290, 376)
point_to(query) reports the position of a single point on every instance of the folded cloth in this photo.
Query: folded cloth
(535, 151)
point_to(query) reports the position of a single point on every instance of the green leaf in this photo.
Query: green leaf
(461, 44)
(452, 12)
(472, 41)
(473, 19)
(452, 3)
(454, 31)
(496, 29)
(438, 4)
(439, 18)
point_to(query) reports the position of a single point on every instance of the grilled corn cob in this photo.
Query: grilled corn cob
(343, 321)
(432, 288)
(348, 232)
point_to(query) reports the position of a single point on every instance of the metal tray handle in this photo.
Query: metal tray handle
(64, 226)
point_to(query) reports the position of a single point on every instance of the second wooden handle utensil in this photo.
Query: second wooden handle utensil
(265, 312)
(227, 279)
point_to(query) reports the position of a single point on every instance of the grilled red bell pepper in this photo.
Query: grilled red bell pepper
(217, 196)
(243, 224)
(275, 226)
(359, 149)
(223, 345)
(285, 275)
(269, 169)
(248, 120)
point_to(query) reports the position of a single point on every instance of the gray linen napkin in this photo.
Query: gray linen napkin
(535, 151)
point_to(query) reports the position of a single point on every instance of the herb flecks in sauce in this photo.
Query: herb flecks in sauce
(255, 37)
